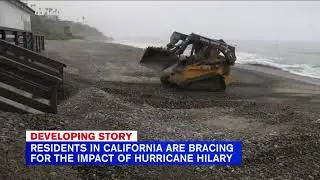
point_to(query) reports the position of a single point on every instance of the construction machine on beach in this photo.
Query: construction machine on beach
(205, 67)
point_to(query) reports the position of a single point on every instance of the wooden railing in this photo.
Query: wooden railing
(29, 40)
(29, 82)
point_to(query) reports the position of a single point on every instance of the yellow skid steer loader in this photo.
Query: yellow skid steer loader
(205, 67)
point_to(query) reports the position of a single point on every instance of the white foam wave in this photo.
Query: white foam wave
(273, 62)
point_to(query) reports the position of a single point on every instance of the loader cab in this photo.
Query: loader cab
(192, 49)
(176, 39)
(189, 51)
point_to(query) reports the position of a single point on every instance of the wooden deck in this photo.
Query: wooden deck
(29, 40)
(29, 82)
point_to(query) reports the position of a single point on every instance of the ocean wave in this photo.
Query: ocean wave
(308, 70)
(141, 44)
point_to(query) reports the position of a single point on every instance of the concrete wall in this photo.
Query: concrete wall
(12, 16)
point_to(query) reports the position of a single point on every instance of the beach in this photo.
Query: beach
(275, 114)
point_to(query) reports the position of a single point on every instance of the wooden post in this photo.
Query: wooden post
(36, 43)
(3, 34)
(29, 43)
(54, 99)
(25, 40)
(38, 48)
(32, 43)
(40, 44)
(16, 42)
(42, 40)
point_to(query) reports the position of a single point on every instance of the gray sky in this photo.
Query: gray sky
(251, 20)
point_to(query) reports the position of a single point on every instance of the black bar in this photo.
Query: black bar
(43, 48)
(19, 82)
(32, 65)
(25, 101)
(31, 70)
(32, 43)
(3, 35)
(16, 40)
(29, 39)
(34, 56)
(35, 43)
(16, 72)
(38, 44)
(8, 108)
(25, 41)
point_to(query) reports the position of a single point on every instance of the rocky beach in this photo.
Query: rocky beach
(276, 116)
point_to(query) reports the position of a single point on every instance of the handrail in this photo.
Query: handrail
(29, 82)
(30, 40)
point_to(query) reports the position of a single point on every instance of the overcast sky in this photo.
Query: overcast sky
(251, 20)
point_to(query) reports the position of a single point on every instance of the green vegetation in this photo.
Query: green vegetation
(55, 29)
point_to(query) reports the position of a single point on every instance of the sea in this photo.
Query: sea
(297, 57)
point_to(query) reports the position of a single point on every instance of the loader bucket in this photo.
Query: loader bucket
(158, 58)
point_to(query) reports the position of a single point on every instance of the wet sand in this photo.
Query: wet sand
(276, 116)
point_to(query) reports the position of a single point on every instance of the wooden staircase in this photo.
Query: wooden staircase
(29, 82)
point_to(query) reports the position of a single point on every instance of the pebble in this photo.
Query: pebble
(218, 133)
(53, 173)
(4, 130)
(281, 164)
(273, 134)
(280, 157)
